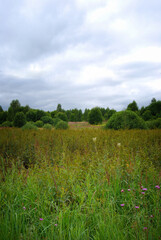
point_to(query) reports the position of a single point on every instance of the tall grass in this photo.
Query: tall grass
(80, 184)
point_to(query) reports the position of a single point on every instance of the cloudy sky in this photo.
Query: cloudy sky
(80, 53)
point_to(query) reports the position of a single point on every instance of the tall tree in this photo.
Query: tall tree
(133, 107)
(13, 109)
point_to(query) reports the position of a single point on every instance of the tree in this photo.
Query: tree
(1, 109)
(20, 119)
(95, 116)
(31, 115)
(125, 120)
(133, 107)
(62, 116)
(13, 109)
(59, 109)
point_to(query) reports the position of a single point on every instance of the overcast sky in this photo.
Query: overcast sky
(80, 53)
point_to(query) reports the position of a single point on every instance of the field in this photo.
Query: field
(82, 183)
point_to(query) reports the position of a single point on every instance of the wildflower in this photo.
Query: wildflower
(145, 228)
(122, 190)
(157, 186)
(119, 145)
(136, 207)
(122, 205)
(144, 189)
(94, 139)
(41, 219)
(151, 216)
(129, 189)
(143, 193)
(55, 224)
(24, 208)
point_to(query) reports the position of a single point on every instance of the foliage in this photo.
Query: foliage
(61, 125)
(47, 126)
(47, 119)
(62, 116)
(1, 109)
(31, 115)
(7, 124)
(39, 124)
(13, 109)
(55, 121)
(3, 116)
(29, 126)
(154, 124)
(147, 115)
(133, 107)
(125, 120)
(95, 116)
(20, 119)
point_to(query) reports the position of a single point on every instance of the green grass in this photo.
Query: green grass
(76, 182)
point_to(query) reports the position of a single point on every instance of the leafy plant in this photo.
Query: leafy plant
(61, 125)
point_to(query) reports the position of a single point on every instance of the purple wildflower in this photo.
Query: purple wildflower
(144, 189)
(143, 193)
(151, 216)
(24, 208)
(41, 219)
(122, 204)
(136, 206)
(145, 228)
(122, 190)
(55, 224)
(129, 189)
(157, 186)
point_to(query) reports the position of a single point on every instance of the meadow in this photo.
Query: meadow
(80, 183)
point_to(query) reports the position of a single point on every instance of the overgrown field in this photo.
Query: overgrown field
(80, 184)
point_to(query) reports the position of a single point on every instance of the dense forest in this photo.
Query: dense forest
(18, 116)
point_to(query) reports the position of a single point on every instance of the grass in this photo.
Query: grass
(75, 183)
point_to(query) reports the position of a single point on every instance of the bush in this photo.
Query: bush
(61, 125)
(20, 119)
(125, 120)
(47, 119)
(39, 124)
(95, 116)
(154, 124)
(55, 121)
(29, 126)
(62, 116)
(7, 124)
(47, 126)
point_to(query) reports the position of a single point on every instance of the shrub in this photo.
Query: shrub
(62, 116)
(7, 124)
(47, 119)
(39, 124)
(95, 116)
(125, 120)
(20, 119)
(47, 126)
(154, 124)
(55, 121)
(29, 126)
(61, 125)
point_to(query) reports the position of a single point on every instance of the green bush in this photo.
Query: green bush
(125, 120)
(39, 124)
(29, 126)
(7, 124)
(61, 125)
(95, 116)
(47, 126)
(20, 119)
(154, 124)
(55, 121)
(47, 119)
(62, 116)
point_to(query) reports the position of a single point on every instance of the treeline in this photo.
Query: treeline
(18, 115)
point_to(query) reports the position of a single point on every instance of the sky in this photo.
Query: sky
(80, 53)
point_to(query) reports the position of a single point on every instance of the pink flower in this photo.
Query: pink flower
(24, 208)
(145, 189)
(129, 190)
(143, 193)
(55, 224)
(145, 228)
(136, 206)
(157, 186)
(41, 219)
(151, 216)
(122, 204)
(122, 190)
